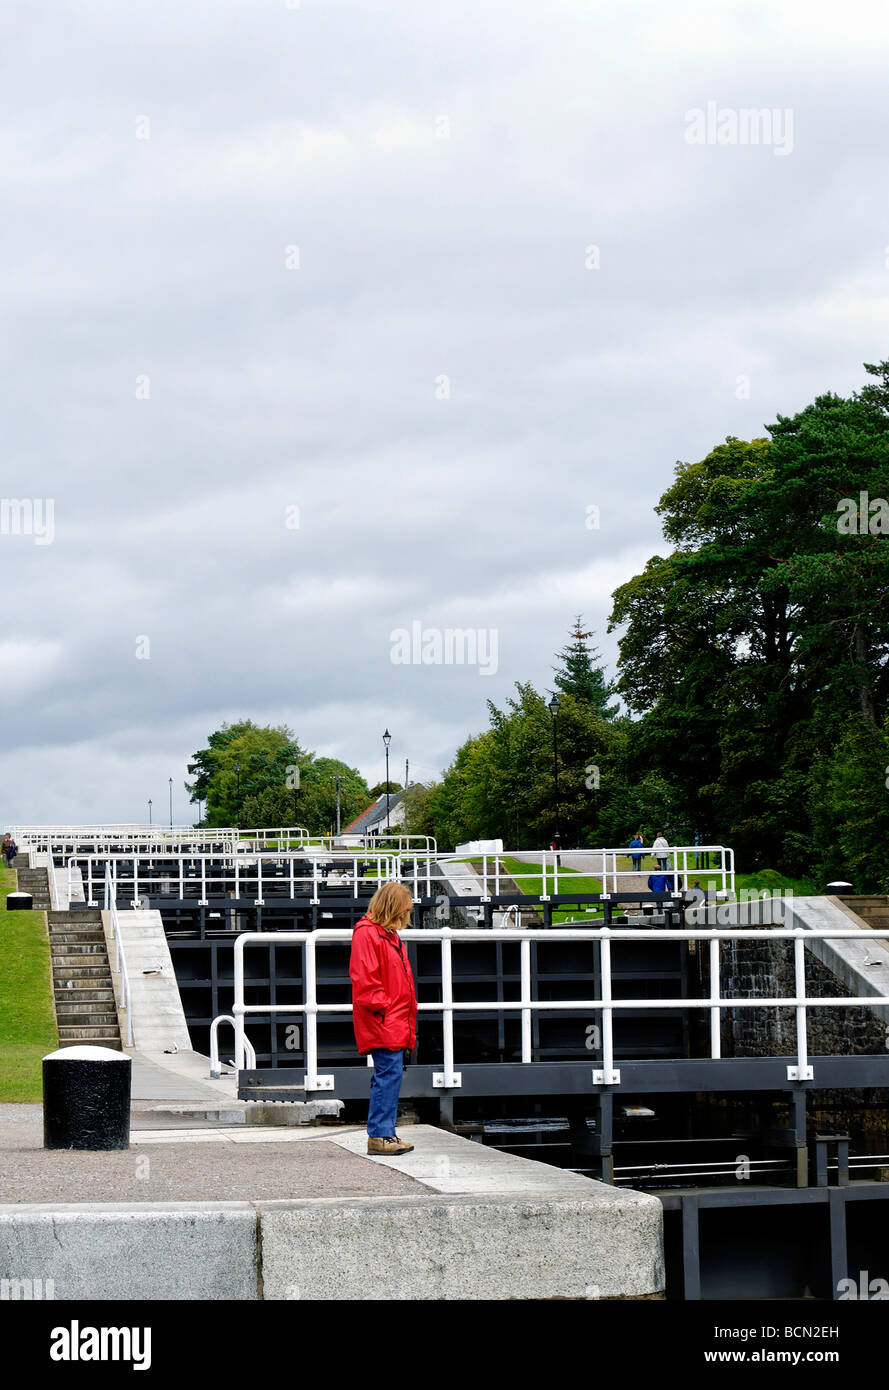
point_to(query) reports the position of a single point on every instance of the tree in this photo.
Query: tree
(240, 762)
(579, 674)
(750, 647)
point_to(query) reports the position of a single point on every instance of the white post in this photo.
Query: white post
(715, 1043)
(799, 989)
(311, 1015)
(447, 1016)
(607, 1015)
(525, 954)
(238, 1007)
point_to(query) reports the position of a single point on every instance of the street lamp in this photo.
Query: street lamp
(554, 710)
(149, 810)
(171, 805)
(239, 792)
(387, 739)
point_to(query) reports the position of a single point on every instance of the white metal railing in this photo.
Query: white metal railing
(603, 1075)
(120, 963)
(214, 1045)
(425, 873)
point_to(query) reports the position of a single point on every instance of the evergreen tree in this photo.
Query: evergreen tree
(580, 674)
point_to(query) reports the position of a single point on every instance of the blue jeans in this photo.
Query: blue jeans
(384, 1087)
(637, 863)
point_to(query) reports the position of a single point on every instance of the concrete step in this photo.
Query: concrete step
(77, 952)
(97, 971)
(63, 918)
(83, 995)
(75, 922)
(108, 1036)
(77, 938)
(85, 1016)
(57, 928)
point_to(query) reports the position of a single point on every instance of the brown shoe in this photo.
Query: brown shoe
(390, 1147)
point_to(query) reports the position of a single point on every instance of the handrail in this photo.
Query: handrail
(121, 965)
(418, 870)
(604, 1075)
(214, 1045)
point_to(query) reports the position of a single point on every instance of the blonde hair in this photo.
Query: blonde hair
(390, 904)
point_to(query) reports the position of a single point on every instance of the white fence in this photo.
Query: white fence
(605, 1074)
(542, 874)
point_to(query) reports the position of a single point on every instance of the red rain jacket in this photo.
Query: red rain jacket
(384, 1000)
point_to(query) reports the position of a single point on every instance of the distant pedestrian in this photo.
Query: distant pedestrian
(637, 842)
(10, 849)
(384, 1009)
(661, 851)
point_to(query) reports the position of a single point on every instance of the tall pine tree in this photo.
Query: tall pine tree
(581, 676)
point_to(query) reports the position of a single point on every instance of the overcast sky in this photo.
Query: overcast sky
(442, 277)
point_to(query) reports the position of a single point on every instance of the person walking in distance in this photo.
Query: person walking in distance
(661, 850)
(384, 1009)
(637, 843)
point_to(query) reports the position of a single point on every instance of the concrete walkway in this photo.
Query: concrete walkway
(242, 1213)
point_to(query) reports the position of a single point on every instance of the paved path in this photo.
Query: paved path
(197, 1165)
(245, 1163)
(153, 1080)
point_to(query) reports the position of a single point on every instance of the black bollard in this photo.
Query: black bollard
(86, 1098)
(840, 888)
(19, 902)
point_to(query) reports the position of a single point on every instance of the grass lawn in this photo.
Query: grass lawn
(27, 1022)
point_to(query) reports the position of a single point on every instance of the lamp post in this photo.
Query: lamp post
(171, 805)
(239, 792)
(554, 710)
(387, 739)
(295, 789)
(338, 780)
(149, 810)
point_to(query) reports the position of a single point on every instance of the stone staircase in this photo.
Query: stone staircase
(81, 979)
(35, 882)
(873, 909)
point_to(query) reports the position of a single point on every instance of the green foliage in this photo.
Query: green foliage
(762, 640)
(280, 782)
(27, 1021)
(580, 674)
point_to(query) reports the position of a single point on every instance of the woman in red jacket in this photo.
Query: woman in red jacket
(384, 1008)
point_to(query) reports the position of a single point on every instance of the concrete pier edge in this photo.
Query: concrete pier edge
(483, 1225)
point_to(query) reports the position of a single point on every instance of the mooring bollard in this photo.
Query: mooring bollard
(86, 1098)
(19, 902)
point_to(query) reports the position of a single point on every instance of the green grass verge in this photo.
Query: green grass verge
(27, 1021)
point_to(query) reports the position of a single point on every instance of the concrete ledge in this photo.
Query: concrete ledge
(169, 1251)
(463, 1248)
(453, 1221)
